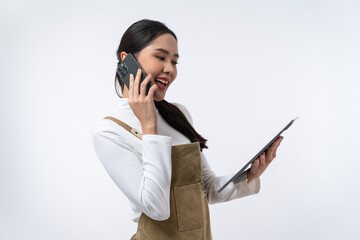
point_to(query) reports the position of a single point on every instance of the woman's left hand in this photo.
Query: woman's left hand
(261, 163)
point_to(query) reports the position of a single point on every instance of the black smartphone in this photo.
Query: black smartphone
(130, 66)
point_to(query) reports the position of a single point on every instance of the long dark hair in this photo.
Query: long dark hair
(139, 35)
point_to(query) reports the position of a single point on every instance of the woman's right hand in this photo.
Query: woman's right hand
(143, 105)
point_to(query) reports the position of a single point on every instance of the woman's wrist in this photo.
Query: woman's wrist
(250, 177)
(150, 130)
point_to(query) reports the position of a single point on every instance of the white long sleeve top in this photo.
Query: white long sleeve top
(142, 168)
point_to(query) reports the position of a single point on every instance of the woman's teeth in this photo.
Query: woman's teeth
(162, 81)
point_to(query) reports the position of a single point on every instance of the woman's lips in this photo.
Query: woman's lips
(160, 84)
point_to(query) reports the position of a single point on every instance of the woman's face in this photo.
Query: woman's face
(160, 58)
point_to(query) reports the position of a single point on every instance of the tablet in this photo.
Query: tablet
(237, 175)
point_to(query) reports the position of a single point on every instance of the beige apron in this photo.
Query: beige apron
(189, 212)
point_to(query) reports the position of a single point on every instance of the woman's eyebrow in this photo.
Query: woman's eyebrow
(166, 52)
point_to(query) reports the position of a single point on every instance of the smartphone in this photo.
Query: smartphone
(130, 66)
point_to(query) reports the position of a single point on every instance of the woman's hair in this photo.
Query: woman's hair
(138, 36)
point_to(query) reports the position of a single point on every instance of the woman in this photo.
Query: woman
(162, 168)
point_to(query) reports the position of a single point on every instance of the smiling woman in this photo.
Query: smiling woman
(155, 47)
(158, 59)
(162, 169)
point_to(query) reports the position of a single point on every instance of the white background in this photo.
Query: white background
(246, 69)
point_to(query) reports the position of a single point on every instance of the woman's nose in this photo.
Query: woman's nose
(168, 67)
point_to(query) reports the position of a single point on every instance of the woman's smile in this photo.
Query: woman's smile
(162, 82)
(160, 59)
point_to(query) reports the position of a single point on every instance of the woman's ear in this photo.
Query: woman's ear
(123, 55)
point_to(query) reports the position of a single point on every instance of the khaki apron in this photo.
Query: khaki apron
(189, 211)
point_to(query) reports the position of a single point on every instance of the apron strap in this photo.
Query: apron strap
(133, 131)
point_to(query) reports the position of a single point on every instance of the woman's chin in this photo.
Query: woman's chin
(159, 97)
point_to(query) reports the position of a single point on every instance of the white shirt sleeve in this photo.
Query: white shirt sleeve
(145, 179)
(232, 191)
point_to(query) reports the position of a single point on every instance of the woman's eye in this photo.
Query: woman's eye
(163, 58)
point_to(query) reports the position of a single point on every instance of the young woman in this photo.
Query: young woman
(161, 167)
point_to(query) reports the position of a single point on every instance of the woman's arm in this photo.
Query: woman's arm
(213, 183)
(233, 191)
(145, 179)
(247, 184)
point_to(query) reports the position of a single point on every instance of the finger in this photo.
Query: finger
(144, 84)
(136, 83)
(255, 164)
(262, 160)
(276, 147)
(275, 143)
(272, 149)
(131, 86)
(152, 90)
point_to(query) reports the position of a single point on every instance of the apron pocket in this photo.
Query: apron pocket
(189, 206)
